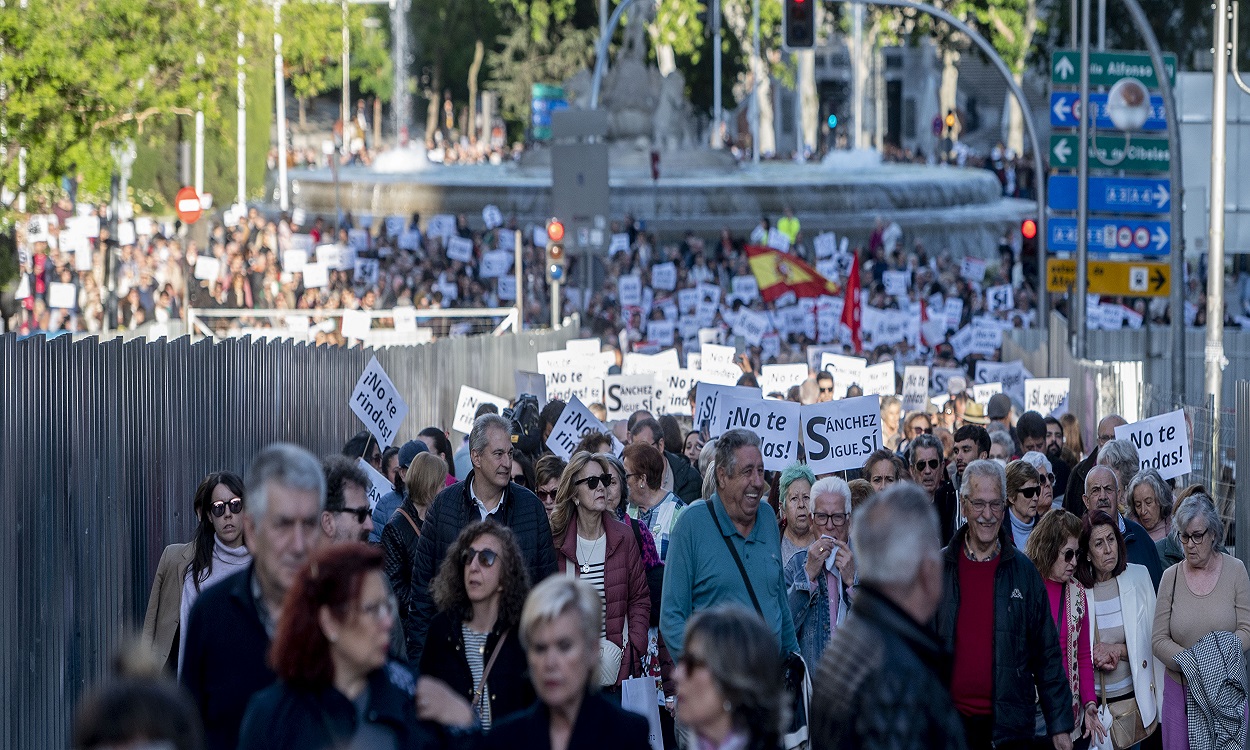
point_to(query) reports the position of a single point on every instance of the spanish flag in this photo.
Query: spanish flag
(777, 273)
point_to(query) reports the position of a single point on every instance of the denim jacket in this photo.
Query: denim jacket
(810, 609)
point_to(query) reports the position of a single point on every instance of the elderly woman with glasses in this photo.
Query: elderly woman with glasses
(1045, 478)
(819, 579)
(1023, 489)
(795, 490)
(1052, 548)
(1150, 500)
(1206, 593)
(592, 545)
(547, 480)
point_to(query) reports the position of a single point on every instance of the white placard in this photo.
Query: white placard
(293, 261)
(88, 226)
(316, 275)
(356, 324)
(745, 288)
(987, 338)
(378, 486)
(1162, 443)
(366, 272)
(629, 291)
(826, 245)
(575, 421)
(207, 268)
(378, 403)
(915, 387)
(940, 379)
(409, 240)
(650, 364)
(846, 371)
(897, 283)
(953, 309)
(708, 400)
(62, 296)
(776, 422)
(492, 217)
(688, 300)
(972, 269)
(752, 326)
(619, 243)
(496, 263)
(625, 394)
(84, 258)
(719, 363)
(444, 226)
(664, 277)
(505, 287)
(999, 298)
(880, 380)
(570, 375)
(661, 332)
(1047, 396)
(983, 392)
(466, 406)
(405, 319)
(673, 391)
(331, 256)
(126, 233)
(839, 435)
(1010, 374)
(505, 239)
(358, 239)
(780, 378)
(394, 225)
(460, 248)
(778, 240)
(584, 347)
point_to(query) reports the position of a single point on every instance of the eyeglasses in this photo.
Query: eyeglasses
(980, 506)
(486, 557)
(1030, 491)
(594, 482)
(1195, 538)
(1068, 555)
(546, 495)
(385, 609)
(361, 513)
(931, 464)
(1047, 478)
(827, 390)
(234, 504)
(824, 519)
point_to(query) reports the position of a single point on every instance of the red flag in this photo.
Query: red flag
(777, 273)
(851, 311)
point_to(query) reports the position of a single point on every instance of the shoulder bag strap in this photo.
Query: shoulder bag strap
(411, 522)
(734, 551)
(480, 693)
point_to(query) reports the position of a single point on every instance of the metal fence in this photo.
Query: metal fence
(102, 445)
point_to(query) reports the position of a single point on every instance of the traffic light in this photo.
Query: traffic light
(833, 121)
(1028, 229)
(555, 250)
(799, 21)
(950, 119)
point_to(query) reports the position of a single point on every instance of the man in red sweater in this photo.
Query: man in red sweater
(995, 621)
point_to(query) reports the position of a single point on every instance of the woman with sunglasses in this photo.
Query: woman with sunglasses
(595, 547)
(1052, 548)
(1045, 477)
(335, 688)
(547, 480)
(216, 552)
(1024, 487)
(472, 644)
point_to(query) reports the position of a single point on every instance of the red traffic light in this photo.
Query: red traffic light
(1028, 229)
(555, 230)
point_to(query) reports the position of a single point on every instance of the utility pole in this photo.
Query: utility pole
(1079, 300)
(1214, 352)
(241, 98)
(284, 198)
(347, 72)
(718, 107)
(857, 77)
(755, 82)
(399, 26)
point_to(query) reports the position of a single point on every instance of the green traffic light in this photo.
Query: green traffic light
(833, 121)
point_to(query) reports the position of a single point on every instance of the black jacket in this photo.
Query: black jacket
(600, 725)
(399, 543)
(1074, 496)
(687, 484)
(444, 659)
(1028, 662)
(882, 684)
(452, 510)
(946, 500)
(282, 717)
(1141, 549)
(226, 658)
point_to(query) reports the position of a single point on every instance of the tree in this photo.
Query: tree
(521, 63)
(312, 50)
(373, 69)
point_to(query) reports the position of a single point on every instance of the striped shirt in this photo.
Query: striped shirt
(475, 654)
(1109, 618)
(591, 557)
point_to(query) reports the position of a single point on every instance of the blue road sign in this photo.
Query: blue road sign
(1134, 195)
(1113, 235)
(1065, 111)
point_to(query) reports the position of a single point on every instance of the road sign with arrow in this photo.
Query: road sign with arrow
(1065, 111)
(1137, 154)
(1132, 279)
(1112, 235)
(1106, 68)
(1112, 194)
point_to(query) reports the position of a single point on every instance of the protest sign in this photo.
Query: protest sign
(330, 255)
(460, 248)
(673, 391)
(588, 347)
(983, 392)
(915, 388)
(650, 364)
(752, 326)
(505, 287)
(293, 261)
(687, 300)
(533, 383)
(778, 240)
(1010, 374)
(377, 402)
(661, 332)
(366, 272)
(466, 406)
(625, 394)
(207, 268)
(825, 244)
(664, 276)
(505, 239)
(846, 371)
(83, 258)
(356, 324)
(953, 310)
(776, 423)
(378, 487)
(492, 217)
(780, 378)
(987, 338)
(629, 291)
(972, 269)
(897, 283)
(496, 263)
(126, 233)
(316, 275)
(409, 240)
(575, 421)
(570, 375)
(745, 288)
(719, 364)
(1047, 396)
(62, 296)
(394, 225)
(839, 435)
(879, 379)
(1162, 443)
(708, 398)
(940, 377)
(999, 298)
(442, 226)
(404, 318)
(358, 240)
(618, 243)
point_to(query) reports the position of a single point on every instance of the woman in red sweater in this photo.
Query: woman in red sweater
(1052, 547)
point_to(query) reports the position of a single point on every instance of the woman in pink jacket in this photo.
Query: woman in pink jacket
(592, 545)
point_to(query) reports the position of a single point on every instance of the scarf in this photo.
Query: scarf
(1074, 613)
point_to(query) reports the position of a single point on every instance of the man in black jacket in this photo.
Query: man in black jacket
(882, 680)
(924, 459)
(995, 620)
(1074, 493)
(486, 494)
(687, 484)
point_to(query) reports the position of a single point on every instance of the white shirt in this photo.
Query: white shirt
(481, 507)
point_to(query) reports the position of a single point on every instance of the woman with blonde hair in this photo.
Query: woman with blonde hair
(425, 477)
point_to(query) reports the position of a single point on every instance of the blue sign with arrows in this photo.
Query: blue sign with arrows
(1065, 112)
(1112, 235)
(1134, 195)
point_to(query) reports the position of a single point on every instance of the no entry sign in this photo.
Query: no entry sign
(187, 203)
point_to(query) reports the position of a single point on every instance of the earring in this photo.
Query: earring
(728, 706)
(333, 637)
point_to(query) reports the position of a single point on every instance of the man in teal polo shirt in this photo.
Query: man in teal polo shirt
(700, 571)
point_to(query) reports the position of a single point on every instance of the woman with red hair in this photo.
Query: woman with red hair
(335, 688)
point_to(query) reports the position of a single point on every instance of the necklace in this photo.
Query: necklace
(585, 562)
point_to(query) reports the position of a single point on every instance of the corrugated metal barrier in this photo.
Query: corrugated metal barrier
(102, 445)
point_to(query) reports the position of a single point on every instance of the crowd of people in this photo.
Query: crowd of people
(984, 580)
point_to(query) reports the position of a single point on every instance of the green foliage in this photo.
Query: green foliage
(521, 63)
(373, 69)
(678, 24)
(312, 47)
(542, 17)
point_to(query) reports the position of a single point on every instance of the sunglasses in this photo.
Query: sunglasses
(361, 513)
(1030, 491)
(546, 495)
(932, 463)
(486, 557)
(234, 504)
(1068, 555)
(826, 390)
(594, 482)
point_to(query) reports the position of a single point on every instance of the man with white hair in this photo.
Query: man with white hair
(819, 579)
(880, 682)
(1102, 492)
